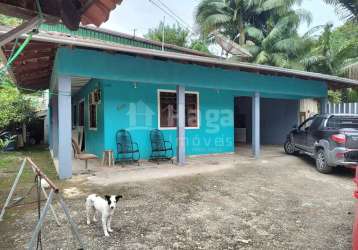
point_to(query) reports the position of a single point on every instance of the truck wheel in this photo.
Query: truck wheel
(321, 162)
(289, 148)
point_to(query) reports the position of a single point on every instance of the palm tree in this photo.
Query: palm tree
(331, 58)
(278, 43)
(232, 17)
(348, 9)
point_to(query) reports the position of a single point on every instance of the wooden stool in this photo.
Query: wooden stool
(107, 158)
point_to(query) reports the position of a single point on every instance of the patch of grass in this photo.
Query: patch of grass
(10, 164)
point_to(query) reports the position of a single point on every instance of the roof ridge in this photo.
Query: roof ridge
(62, 29)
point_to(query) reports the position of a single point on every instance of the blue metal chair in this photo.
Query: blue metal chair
(161, 149)
(127, 150)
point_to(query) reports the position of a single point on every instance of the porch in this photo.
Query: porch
(104, 175)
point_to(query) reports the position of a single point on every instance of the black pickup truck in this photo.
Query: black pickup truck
(331, 139)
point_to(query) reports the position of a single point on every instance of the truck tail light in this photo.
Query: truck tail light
(339, 138)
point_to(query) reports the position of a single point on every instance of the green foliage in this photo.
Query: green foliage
(199, 45)
(334, 96)
(15, 107)
(347, 9)
(334, 52)
(5, 142)
(352, 95)
(9, 21)
(278, 44)
(174, 34)
(235, 18)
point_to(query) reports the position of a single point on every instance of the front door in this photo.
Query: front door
(312, 135)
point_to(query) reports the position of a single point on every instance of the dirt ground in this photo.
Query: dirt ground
(277, 202)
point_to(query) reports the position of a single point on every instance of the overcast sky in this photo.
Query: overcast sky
(142, 14)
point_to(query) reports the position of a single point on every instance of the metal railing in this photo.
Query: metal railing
(342, 108)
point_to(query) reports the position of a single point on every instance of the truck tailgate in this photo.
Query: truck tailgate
(351, 138)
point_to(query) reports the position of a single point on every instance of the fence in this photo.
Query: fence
(342, 108)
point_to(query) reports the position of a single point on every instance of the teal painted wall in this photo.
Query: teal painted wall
(120, 67)
(217, 88)
(135, 109)
(94, 139)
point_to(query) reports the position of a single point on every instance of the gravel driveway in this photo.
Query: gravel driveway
(277, 202)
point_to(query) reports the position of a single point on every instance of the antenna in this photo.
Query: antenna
(230, 46)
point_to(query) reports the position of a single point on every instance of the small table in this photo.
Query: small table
(107, 158)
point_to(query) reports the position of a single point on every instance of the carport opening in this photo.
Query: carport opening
(277, 116)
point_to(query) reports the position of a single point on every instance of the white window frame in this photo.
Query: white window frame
(89, 115)
(174, 91)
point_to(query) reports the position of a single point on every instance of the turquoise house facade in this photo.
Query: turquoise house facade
(135, 108)
(130, 87)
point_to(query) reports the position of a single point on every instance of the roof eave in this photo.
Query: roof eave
(263, 69)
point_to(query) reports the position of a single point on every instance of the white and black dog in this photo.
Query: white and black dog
(106, 207)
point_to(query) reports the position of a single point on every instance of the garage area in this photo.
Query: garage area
(277, 117)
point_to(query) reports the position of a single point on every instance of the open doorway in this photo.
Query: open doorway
(277, 116)
(243, 120)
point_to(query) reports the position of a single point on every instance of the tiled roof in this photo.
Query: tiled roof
(99, 12)
(71, 13)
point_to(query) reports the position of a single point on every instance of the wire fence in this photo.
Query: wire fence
(342, 108)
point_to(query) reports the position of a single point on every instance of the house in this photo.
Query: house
(196, 100)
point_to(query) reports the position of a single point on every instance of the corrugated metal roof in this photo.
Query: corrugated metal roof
(118, 38)
(52, 39)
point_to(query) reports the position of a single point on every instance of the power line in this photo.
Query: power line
(177, 16)
(170, 13)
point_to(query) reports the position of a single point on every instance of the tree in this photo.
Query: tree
(347, 9)
(278, 44)
(177, 35)
(334, 96)
(15, 108)
(174, 34)
(333, 53)
(199, 45)
(233, 17)
(9, 21)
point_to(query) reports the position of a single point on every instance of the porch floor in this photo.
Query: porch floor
(104, 175)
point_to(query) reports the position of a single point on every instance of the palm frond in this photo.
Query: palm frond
(346, 9)
(254, 33)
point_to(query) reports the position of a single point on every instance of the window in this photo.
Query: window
(74, 116)
(81, 112)
(92, 112)
(339, 122)
(306, 124)
(168, 109)
(316, 123)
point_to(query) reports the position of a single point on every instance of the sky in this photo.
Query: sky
(137, 16)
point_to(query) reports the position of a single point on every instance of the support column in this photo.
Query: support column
(180, 93)
(54, 128)
(64, 127)
(256, 125)
(324, 104)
